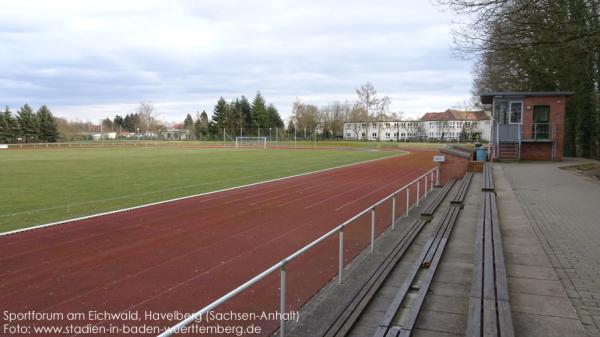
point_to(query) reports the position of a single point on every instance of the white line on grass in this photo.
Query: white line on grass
(16, 231)
(131, 196)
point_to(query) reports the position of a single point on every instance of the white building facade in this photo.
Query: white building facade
(441, 126)
(391, 131)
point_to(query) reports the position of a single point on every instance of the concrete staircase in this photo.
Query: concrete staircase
(508, 151)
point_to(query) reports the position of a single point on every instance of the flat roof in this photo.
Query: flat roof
(488, 97)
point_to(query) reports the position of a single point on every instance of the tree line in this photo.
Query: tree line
(143, 120)
(328, 121)
(240, 117)
(28, 126)
(538, 45)
(230, 118)
(236, 117)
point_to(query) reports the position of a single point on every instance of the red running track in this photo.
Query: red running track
(180, 256)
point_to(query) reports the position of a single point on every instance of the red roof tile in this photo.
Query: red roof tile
(455, 115)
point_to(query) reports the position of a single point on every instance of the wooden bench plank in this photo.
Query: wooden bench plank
(352, 309)
(488, 179)
(489, 282)
(429, 259)
(490, 318)
(442, 231)
(505, 319)
(461, 193)
(500, 267)
(399, 298)
(437, 200)
(417, 303)
(394, 331)
(489, 306)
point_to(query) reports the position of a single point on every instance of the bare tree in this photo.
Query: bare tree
(148, 117)
(334, 115)
(375, 107)
(367, 98)
(357, 116)
(305, 116)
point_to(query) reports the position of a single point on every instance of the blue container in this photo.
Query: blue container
(481, 154)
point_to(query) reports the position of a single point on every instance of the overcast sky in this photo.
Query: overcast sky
(91, 59)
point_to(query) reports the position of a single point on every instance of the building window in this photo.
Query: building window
(387, 135)
(508, 112)
(515, 112)
(374, 135)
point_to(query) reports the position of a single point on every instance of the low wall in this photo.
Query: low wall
(455, 165)
(536, 151)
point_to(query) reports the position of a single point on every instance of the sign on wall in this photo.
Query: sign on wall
(439, 159)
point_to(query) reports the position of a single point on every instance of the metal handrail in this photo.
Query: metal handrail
(531, 131)
(281, 264)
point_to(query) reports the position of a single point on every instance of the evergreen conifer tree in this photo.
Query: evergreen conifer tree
(47, 129)
(259, 112)
(8, 127)
(28, 124)
(219, 116)
(274, 118)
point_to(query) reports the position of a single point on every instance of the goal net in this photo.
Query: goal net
(260, 142)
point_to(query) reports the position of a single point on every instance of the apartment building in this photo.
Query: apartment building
(442, 126)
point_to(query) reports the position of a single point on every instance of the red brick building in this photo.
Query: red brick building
(527, 125)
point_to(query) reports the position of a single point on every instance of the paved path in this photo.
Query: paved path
(564, 211)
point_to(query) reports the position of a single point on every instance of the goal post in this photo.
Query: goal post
(256, 142)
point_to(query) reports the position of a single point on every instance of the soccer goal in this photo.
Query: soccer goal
(251, 142)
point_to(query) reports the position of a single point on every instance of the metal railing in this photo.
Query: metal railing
(89, 144)
(428, 184)
(524, 132)
(537, 131)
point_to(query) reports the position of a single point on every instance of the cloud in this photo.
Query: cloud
(89, 60)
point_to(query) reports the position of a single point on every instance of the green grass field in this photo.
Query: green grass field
(41, 186)
(229, 143)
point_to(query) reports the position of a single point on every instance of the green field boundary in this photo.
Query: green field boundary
(301, 144)
(29, 228)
